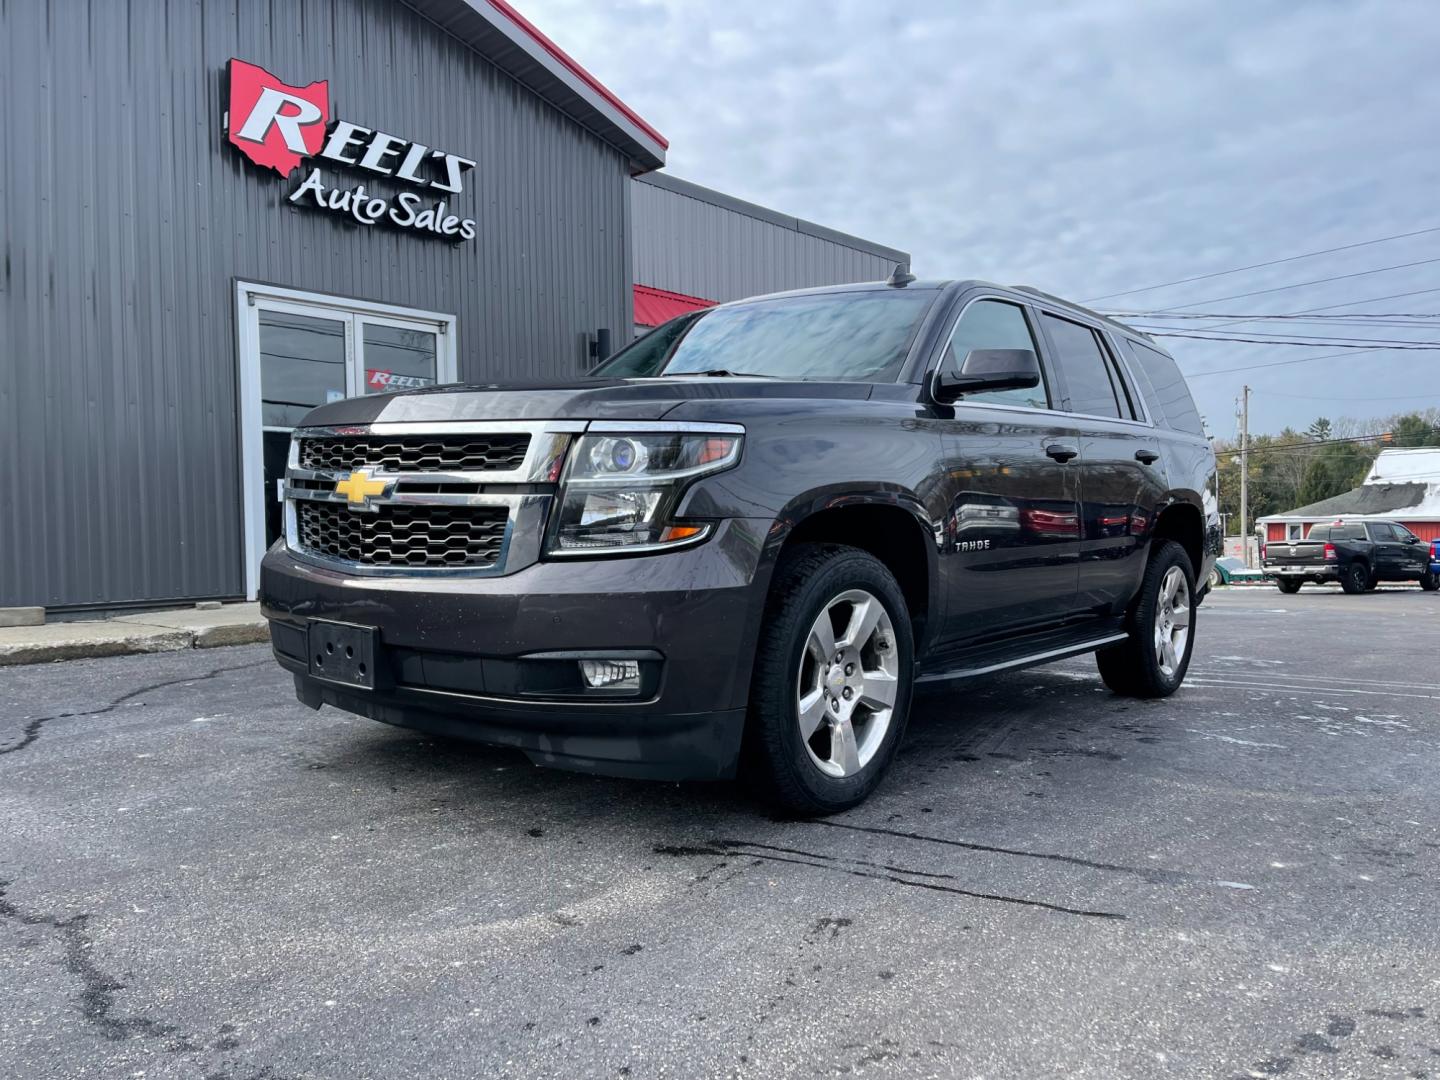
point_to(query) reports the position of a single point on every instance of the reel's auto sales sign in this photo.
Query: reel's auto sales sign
(278, 126)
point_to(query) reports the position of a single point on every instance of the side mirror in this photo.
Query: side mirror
(1412, 539)
(989, 369)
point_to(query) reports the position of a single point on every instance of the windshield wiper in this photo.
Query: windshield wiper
(719, 373)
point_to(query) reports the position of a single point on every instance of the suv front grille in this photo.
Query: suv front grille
(401, 536)
(415, 453)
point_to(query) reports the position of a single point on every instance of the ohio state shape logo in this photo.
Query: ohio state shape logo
(273, 124)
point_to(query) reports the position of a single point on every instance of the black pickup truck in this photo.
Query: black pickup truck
(1357, 554)
(742, 542)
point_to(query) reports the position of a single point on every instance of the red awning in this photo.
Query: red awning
(655, 306)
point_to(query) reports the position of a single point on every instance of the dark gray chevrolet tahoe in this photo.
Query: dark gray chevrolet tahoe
(741, 542)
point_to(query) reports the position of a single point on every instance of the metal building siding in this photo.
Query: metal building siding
(695, 247)
(128, 218)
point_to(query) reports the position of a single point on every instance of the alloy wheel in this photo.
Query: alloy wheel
(1172, 621)
(847, 684)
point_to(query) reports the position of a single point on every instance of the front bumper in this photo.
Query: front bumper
(458, 655)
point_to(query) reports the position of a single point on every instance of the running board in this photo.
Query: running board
(1029, 660)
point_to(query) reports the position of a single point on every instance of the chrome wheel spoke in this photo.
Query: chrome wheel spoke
(843, 751)
(879, 691)
(812, 712)
(864, 617)
(822, 638)
(1182, 617)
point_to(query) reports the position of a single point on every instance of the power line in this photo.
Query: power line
(1279, 363)
(1268, 337)
(1339, 397)
(1326, 307)
(1364, 344)
(1303, 284)
(1311, 443)
(1257, 266)
(1353, 316)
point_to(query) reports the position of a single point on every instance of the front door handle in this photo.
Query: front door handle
(1062, 451)
(1146, 457)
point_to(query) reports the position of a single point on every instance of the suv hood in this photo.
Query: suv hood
(582, 399)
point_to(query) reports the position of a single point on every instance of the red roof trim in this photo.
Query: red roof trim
(655, 306)
(576, 70)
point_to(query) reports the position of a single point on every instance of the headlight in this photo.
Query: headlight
(619, 490)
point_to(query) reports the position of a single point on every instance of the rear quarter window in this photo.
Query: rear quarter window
(1164, 388)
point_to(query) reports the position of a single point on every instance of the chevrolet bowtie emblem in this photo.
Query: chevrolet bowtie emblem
(358, 487)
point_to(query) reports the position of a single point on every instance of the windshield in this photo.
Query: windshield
(843, 336)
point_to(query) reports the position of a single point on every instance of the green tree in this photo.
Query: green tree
(1319, 430)
(1414, 430)
(1335, 469)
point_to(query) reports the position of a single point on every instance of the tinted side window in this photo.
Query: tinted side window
(1382, 530)
(1168, 395)
(994, 324)
(1078, 354)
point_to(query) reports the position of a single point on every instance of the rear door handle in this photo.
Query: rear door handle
(1062, 451)
(1146, 457)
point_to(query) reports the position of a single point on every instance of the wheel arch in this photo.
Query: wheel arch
(1184, 522)
(888, 521)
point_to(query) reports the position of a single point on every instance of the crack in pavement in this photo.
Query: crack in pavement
(1158, 877)
(893, 878)
(97, 990)
(31, 731)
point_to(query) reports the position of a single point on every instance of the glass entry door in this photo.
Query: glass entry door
(298, 351)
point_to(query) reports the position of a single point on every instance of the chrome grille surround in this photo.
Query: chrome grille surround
(462, 521)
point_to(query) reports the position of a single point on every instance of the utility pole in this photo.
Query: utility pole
(1245, 474)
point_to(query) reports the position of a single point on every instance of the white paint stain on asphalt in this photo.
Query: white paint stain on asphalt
(1234, 741)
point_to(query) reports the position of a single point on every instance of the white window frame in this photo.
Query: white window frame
(1294, 530)
(250, 299)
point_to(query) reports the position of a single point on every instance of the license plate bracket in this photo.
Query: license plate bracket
(343, 653)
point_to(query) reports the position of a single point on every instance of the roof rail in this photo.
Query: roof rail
(1040, 292)
(1080, 307)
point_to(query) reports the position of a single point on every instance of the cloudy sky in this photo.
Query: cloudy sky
(1085, 148)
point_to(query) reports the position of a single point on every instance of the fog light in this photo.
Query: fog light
(611, 674)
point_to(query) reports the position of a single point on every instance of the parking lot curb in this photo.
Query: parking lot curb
(171, 631)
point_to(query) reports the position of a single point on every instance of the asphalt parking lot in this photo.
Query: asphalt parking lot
(202, 878)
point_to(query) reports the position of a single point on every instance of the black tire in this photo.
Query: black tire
(1132, 668)
(1355, 578)
(1430, 582)
(1287, 585)
(1373, 583)
(778, 764)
